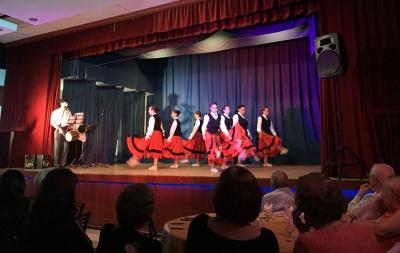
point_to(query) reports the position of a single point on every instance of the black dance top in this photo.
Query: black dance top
(202, 239)
(157, 123)
(178, 131)
(213, 124)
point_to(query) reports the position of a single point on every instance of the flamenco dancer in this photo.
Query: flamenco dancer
(195, 147)
(149, 146)
(174, 146)
(269, 144)
(242, 139)
(226, 143)
(211, 129)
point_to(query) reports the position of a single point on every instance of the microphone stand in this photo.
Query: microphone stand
(60, 146)
(99, 117)
(96, 163)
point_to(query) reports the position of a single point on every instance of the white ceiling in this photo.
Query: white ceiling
(54, 15)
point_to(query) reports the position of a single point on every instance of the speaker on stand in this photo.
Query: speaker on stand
(330, 60)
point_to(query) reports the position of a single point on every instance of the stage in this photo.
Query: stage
(178, 192)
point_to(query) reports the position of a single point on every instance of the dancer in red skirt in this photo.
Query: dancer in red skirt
(150, 146)
(212, 127)
(174, 147)
(269, 144)
(242, 139)
(226, 144)
(195, 147)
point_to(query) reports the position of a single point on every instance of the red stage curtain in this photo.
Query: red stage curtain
(369, 89)
(184, 21)
(31, 94)
(32, 81)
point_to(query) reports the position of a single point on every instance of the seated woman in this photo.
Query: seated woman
(51, 224)
(135, 205)
(323, 206)
(237, 200)
(14, 209)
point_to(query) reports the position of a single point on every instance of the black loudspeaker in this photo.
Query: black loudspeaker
(329, 55)
(42, 161)
(36, 161)
(29, 162)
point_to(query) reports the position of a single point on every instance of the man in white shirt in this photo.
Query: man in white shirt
(59, 120)
(282, 196)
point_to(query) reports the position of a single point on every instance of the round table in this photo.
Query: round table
(175, 232)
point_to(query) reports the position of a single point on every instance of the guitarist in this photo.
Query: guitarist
(59, 120)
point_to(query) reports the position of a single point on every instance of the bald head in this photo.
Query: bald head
(279, 179)
(379, 173)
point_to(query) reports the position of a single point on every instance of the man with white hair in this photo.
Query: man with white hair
(387, 227)
(281, 197)
(370, 206)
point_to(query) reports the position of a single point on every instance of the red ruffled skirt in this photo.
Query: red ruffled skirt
(269, 145)
(174, 148)
(241, 143)
(213, 146)
(228, 150)
(196, 147)
(151, 148)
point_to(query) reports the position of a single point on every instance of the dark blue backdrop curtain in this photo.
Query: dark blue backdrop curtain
(82, 98)
(132, 122)
(109, 102)
(281, 76)
(85, 97)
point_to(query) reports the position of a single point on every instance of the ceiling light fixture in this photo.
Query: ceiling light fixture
(7, 26)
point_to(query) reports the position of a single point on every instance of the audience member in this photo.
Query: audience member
(135, 205)
(51, 225)
(39, 177)
(323, 206)
(370, 206)
(387, 227)
(281, 197)
(14, 209)
(237, 201)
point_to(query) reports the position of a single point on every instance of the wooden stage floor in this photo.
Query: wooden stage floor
(186, 174)
(186, 170)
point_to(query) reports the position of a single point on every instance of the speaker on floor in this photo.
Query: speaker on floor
(29, 162)
(329, 55)
(42, 161)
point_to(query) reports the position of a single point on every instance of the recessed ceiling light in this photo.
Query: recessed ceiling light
(33, 19)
